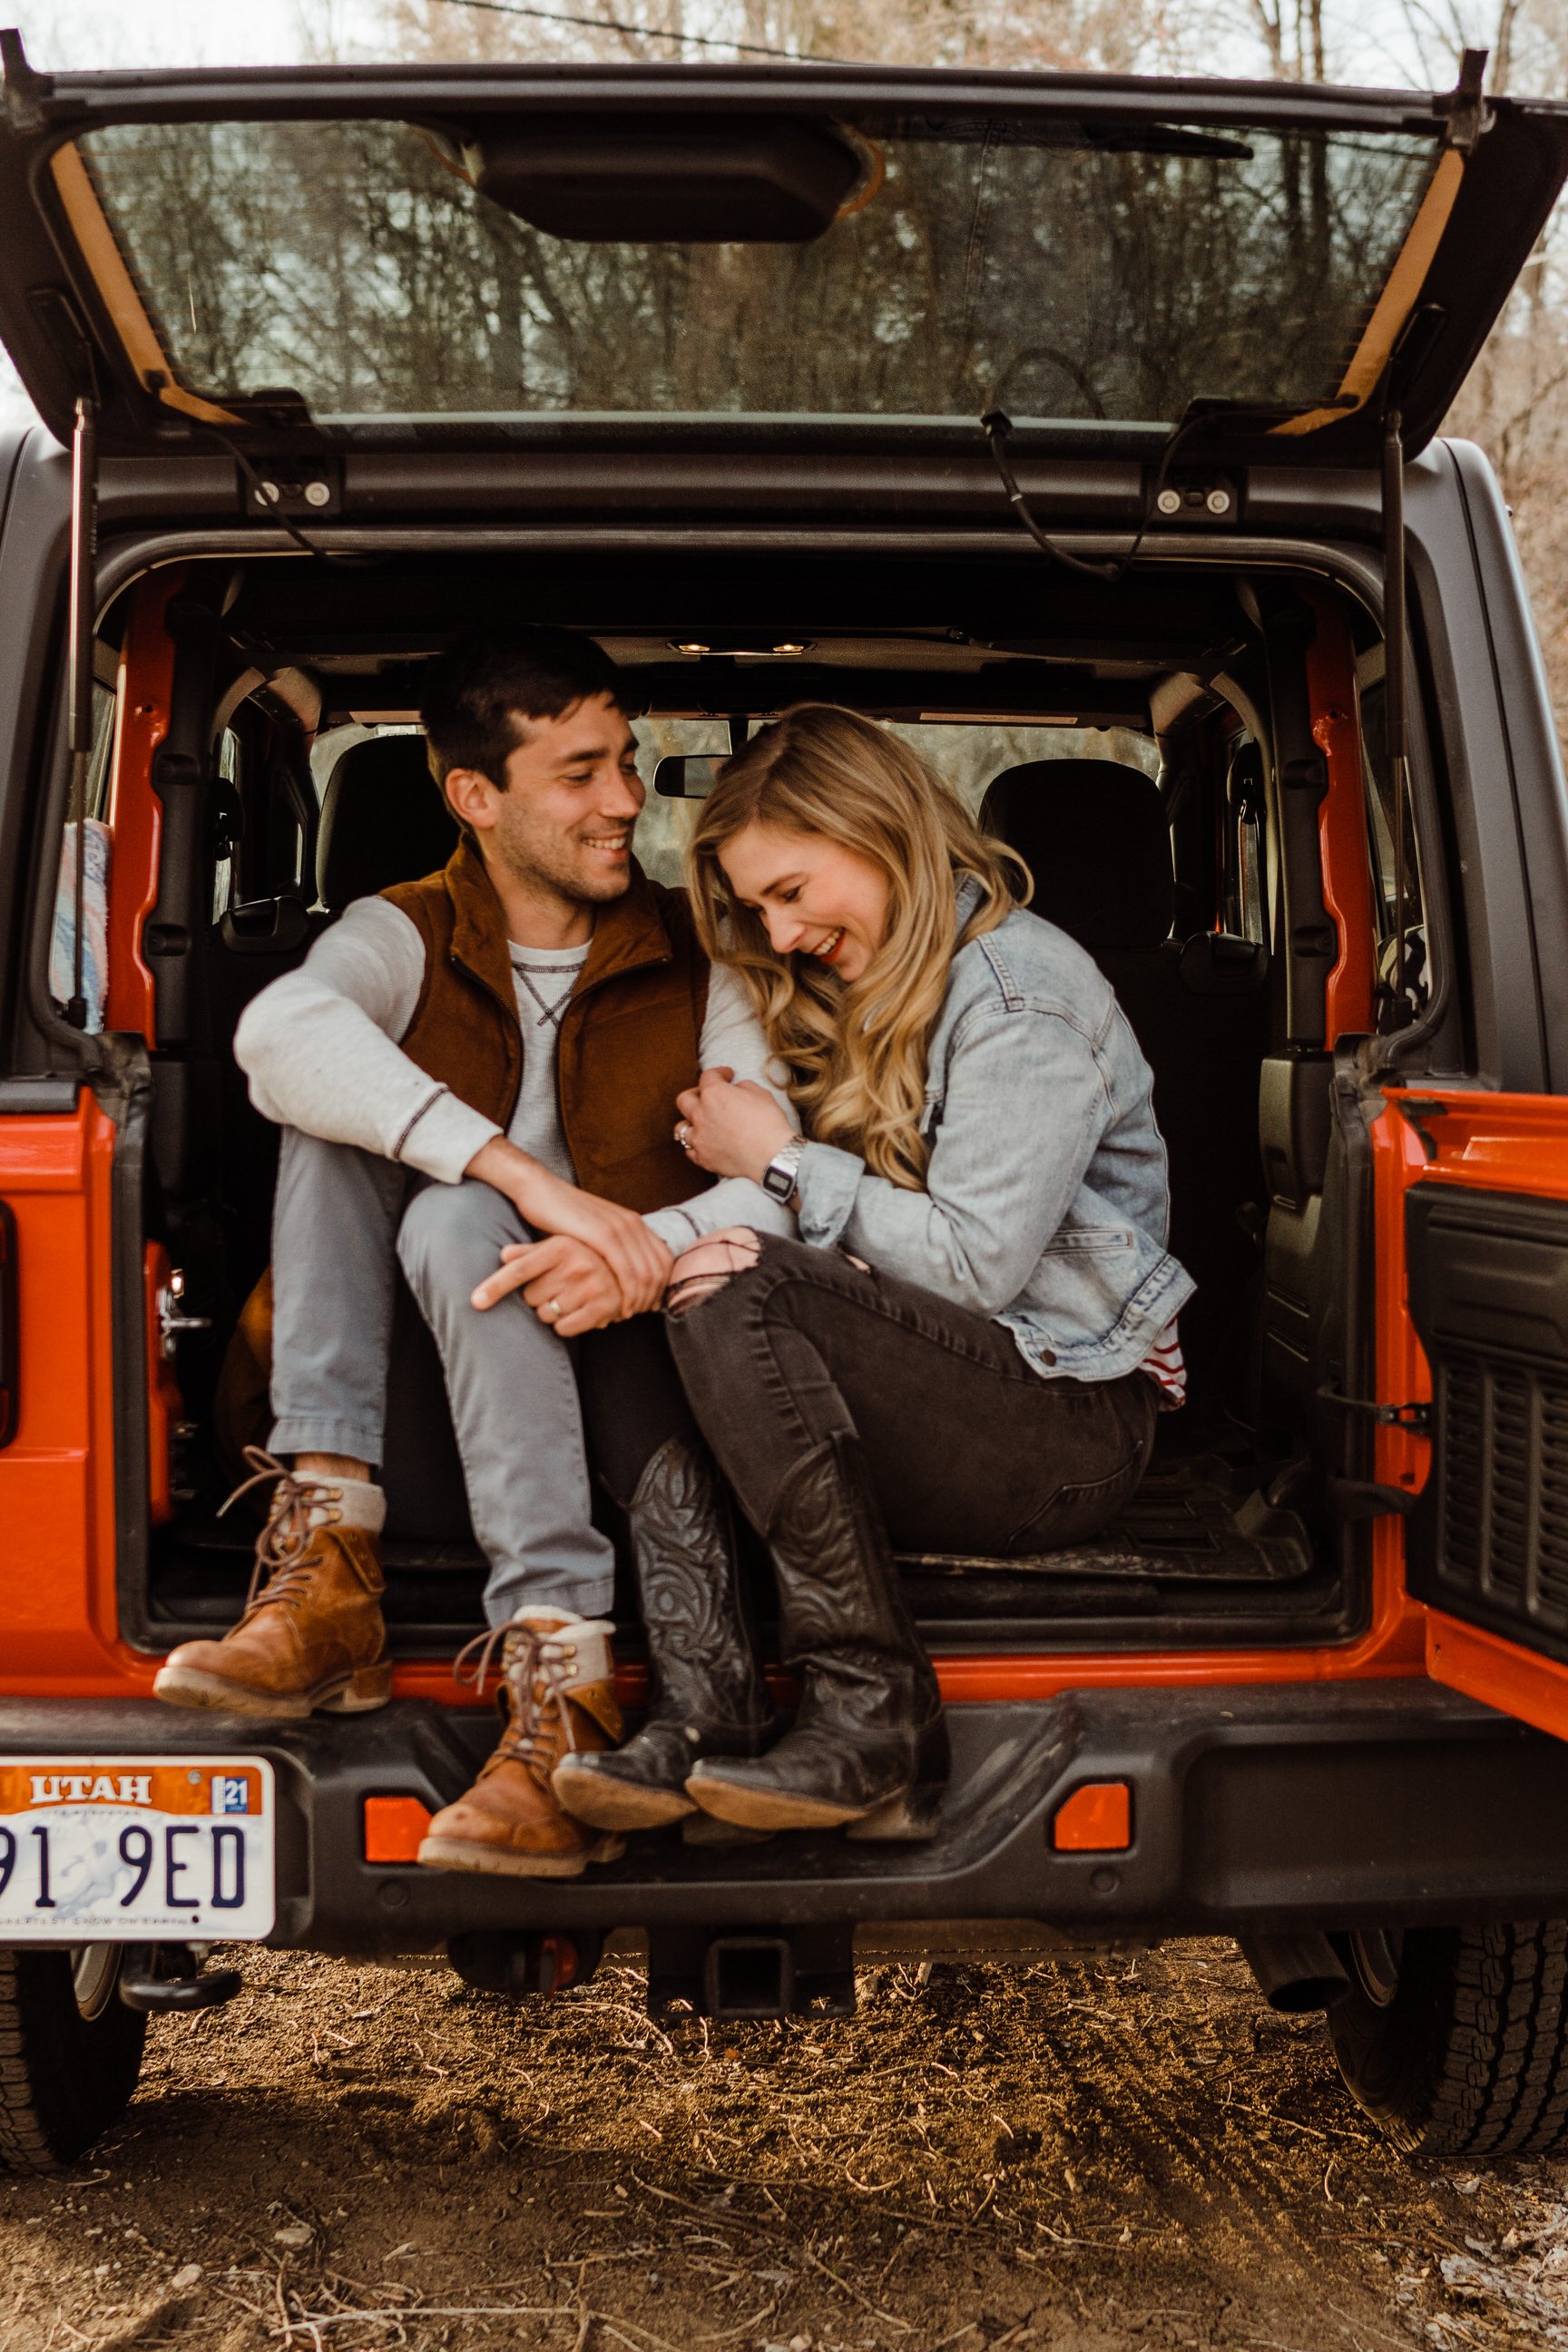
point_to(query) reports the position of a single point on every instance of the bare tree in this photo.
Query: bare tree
(1515, 403)
(1291, 32)
(1119, 35)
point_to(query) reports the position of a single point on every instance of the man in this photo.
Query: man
(462, 1066)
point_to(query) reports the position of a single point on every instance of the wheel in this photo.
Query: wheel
(1454, 2039)
(70, 2053)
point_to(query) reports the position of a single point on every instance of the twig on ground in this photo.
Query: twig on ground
(400, 2312)
(888, 2318)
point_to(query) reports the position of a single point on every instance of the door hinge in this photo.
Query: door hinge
(25, 91)
(1416, 1416)
(1465, 105)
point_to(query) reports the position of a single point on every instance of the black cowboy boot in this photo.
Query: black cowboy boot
(708, 1696)
(869, 1745)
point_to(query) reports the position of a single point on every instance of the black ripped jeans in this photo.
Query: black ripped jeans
(967, 1449)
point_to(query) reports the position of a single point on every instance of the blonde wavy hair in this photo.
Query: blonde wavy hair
(856, 1051)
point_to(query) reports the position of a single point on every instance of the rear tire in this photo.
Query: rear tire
(70, 2053)
(1454, 2039)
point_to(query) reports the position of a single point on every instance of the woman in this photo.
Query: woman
(966, 1348)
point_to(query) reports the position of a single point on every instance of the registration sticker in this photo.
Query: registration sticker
(98, 1849)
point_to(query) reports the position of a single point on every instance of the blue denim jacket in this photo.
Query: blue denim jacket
(1046, 1205)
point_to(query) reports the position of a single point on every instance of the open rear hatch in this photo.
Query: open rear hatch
(377, 258)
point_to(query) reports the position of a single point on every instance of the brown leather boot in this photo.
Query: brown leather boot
(555, 1697)
(311, 1635)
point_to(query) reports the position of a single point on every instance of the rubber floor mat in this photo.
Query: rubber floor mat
(1186, 1524)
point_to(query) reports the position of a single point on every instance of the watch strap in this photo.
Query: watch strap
(779, 1175)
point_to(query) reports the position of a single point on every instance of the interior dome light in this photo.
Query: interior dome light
(761, 649)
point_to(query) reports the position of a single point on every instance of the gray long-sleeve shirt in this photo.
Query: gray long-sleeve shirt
(320, 1048)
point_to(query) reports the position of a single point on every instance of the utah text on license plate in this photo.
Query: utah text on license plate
(130, 1849)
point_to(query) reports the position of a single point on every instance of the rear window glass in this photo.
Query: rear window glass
(1057, 273)
(967, 757)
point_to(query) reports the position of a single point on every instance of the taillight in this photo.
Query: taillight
(10, 1350)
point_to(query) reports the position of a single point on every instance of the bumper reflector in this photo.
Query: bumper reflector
(1096, 1819)
(394, 1827)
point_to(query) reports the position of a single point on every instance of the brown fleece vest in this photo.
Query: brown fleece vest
(630, 1037)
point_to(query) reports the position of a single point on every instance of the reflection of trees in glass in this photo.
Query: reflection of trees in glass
(968, 756)
(348, 261)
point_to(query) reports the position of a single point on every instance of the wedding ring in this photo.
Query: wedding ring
(683, 1135)
(552, 1306)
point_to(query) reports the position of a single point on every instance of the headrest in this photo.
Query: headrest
(1093, 833)
(383, 821)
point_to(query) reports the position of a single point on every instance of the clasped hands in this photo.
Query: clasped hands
(730, 1125)
(598, 1262)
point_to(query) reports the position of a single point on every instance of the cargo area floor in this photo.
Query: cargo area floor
(1197, 1556)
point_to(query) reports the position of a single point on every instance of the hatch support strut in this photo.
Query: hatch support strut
(83, 555)
(1467, 121)
(1397, 1009)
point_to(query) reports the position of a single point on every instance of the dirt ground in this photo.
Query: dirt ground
(1128, 2152)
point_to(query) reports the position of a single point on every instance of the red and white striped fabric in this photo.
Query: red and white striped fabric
(1166, 1367)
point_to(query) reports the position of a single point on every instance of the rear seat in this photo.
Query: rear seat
(1093, 833)
(382, 822)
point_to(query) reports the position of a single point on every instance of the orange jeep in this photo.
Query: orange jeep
(333, 363)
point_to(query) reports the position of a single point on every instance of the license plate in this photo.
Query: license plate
(129, 1849)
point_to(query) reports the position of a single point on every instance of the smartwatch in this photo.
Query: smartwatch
(779, 1175)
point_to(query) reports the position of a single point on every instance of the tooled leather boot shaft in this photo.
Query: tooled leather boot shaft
(869, 1745)
(845, 1622)
(699, 1645)
(708, 1696)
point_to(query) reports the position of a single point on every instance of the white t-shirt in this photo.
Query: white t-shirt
(543, 979)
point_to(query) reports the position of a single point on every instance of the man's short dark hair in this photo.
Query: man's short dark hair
(478, 695)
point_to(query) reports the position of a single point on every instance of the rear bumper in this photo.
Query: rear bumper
(1254, 1808)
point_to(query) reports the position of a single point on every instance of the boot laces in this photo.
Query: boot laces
(299, 1505)
(535, 1666)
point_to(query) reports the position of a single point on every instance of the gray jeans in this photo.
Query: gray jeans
(342, 1220)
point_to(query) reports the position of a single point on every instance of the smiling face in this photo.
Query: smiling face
(563, 823)
(812, 896)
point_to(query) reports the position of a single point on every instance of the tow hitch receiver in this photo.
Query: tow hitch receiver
(772, 1972)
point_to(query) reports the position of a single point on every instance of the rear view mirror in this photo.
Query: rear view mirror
(688, 776)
